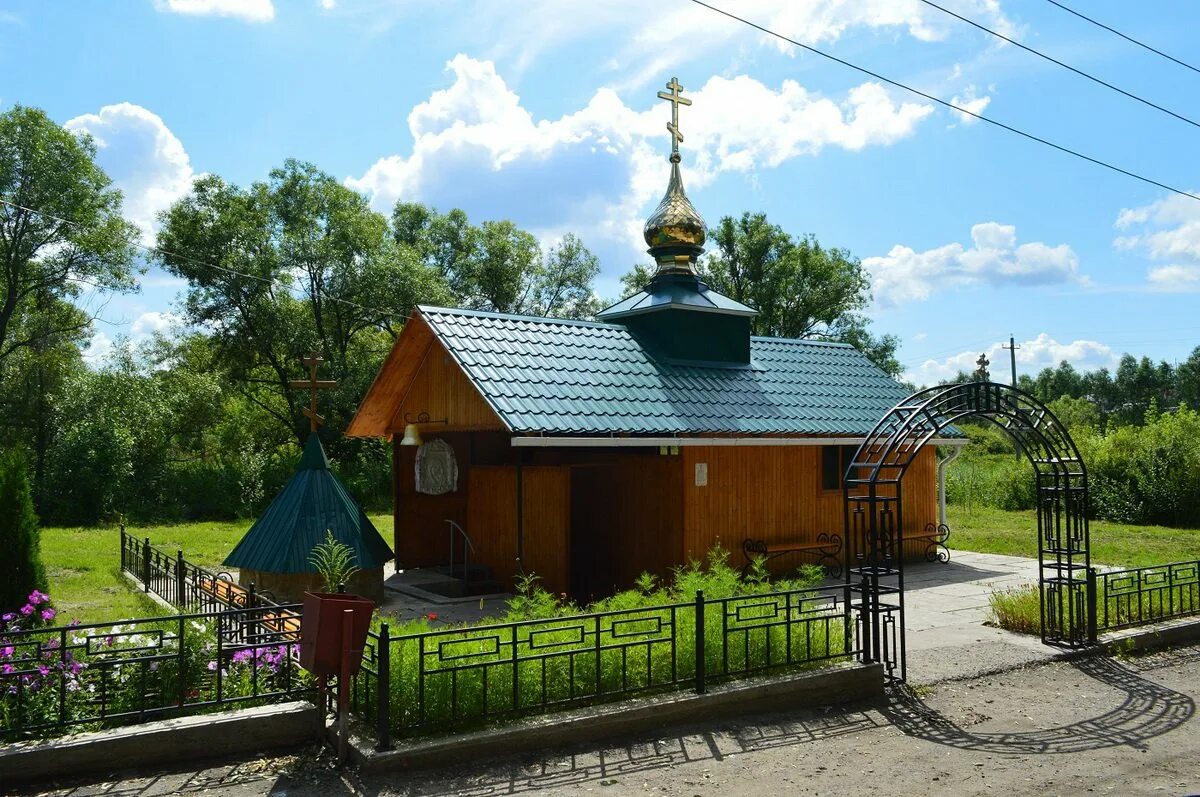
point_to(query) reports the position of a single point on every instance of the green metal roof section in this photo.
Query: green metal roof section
(556, 377)
(313, 501)
(680, 291)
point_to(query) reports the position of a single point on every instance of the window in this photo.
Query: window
(834, 461)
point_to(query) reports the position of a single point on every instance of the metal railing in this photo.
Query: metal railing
(182, 584)
(60, 678)
(450, 678)
(1144, 595)
(468, 548)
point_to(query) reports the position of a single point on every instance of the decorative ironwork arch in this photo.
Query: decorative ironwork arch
(874, 512)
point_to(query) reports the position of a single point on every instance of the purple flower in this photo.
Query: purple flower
(76, 668)
(7, 669)
(37, 597)
(7, 651)
(212, 666)
(8, 617)
(48, 614)
(27, 609)
(43, 669)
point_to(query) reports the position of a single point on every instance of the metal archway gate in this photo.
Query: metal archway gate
(874, 513)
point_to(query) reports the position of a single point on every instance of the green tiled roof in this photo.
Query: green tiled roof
(311, 503)
(556, 377)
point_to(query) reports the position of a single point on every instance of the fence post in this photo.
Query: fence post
(1091, 605)
(383, 688)
(180, 581)
(146, 565)
(701, 687)
(124, 565)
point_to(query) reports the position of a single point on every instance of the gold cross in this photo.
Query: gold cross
(312, 385)
(676, 98)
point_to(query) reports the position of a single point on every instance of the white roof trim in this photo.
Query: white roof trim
(658, 442)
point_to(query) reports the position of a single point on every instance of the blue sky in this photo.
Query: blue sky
(544, 111)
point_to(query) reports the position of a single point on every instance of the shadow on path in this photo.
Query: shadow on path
(1148, 710)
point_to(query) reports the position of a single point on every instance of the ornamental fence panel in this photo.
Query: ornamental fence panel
(443, 679)
(81, 677)
(1144, 595)
(183, 584)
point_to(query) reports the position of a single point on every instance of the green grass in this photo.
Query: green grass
(1015, 533)
(83, 564)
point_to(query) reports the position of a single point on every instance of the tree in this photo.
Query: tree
(76, 238)
(1188, 378)
(19, 536)
(498, 266)
(303, 264)
(800, 288)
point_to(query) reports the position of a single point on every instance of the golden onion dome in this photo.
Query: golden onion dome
(675, 226)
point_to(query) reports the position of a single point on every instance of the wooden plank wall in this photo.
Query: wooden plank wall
(492, 521)
(774, 493)
(440, 388)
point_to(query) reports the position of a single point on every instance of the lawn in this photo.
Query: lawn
(1015, 533)
(83, 564)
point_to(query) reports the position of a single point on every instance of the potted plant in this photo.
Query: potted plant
(321, 625)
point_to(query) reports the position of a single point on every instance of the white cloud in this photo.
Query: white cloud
(475, 145)
(970, 100)
(153, 321)
(1032, 356)
(655, 40)
(1166, 229)
(994, 257)
(98, 350)
(142, 156)
(1175, 279)
(328, 5)
(248, 10)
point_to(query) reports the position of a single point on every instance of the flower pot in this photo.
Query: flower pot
(321, 631)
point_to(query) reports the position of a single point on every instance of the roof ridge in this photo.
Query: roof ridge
(425, 308)
(805, 341)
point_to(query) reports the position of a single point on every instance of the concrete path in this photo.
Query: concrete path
(946, 606)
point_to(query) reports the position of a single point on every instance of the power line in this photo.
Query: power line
(1053, 60)
(948, 104)
(1126, 37)
(156, 250)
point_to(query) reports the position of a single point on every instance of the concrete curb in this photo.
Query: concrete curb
(174, 740)
(1156, 637)
(842, 683)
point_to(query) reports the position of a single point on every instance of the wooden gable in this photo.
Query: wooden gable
(419, 375)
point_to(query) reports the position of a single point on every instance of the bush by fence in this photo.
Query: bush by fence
(56, 679)
(440, 679)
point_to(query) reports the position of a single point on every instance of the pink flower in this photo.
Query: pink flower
(27, 609)
(7, 669)
(8, 617)
(43, 669)
(212, 666)
(48, 614)
(7, 651)
(36, 597)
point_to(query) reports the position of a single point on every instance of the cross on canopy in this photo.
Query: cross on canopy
(312, 385)
(676, 98)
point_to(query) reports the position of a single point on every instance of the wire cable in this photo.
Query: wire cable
(950, 105)
(156, 250)
(1055, 61)
(1126, 37)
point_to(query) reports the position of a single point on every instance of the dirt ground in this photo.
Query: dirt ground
(1095, 725)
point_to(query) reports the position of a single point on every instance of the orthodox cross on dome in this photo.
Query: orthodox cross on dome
(312, 385)
(676, 98)
(981, 371)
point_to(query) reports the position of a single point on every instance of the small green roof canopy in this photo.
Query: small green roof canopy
(313, 501)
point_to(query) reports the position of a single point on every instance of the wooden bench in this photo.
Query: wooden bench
(827, 550)
(934, 537)
(284, 622)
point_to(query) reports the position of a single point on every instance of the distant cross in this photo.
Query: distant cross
(312, 385)
(982, 373)
(676, 98)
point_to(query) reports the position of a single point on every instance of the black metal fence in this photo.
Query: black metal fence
(1144, 595)
(183, 584)
(449, 678)
(98, 675)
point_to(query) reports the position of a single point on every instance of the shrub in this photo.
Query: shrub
(19, 537)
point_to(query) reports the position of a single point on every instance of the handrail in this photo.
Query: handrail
(468, 547)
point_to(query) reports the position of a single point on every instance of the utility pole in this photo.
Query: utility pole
(1012, 351)
(1012, 358)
